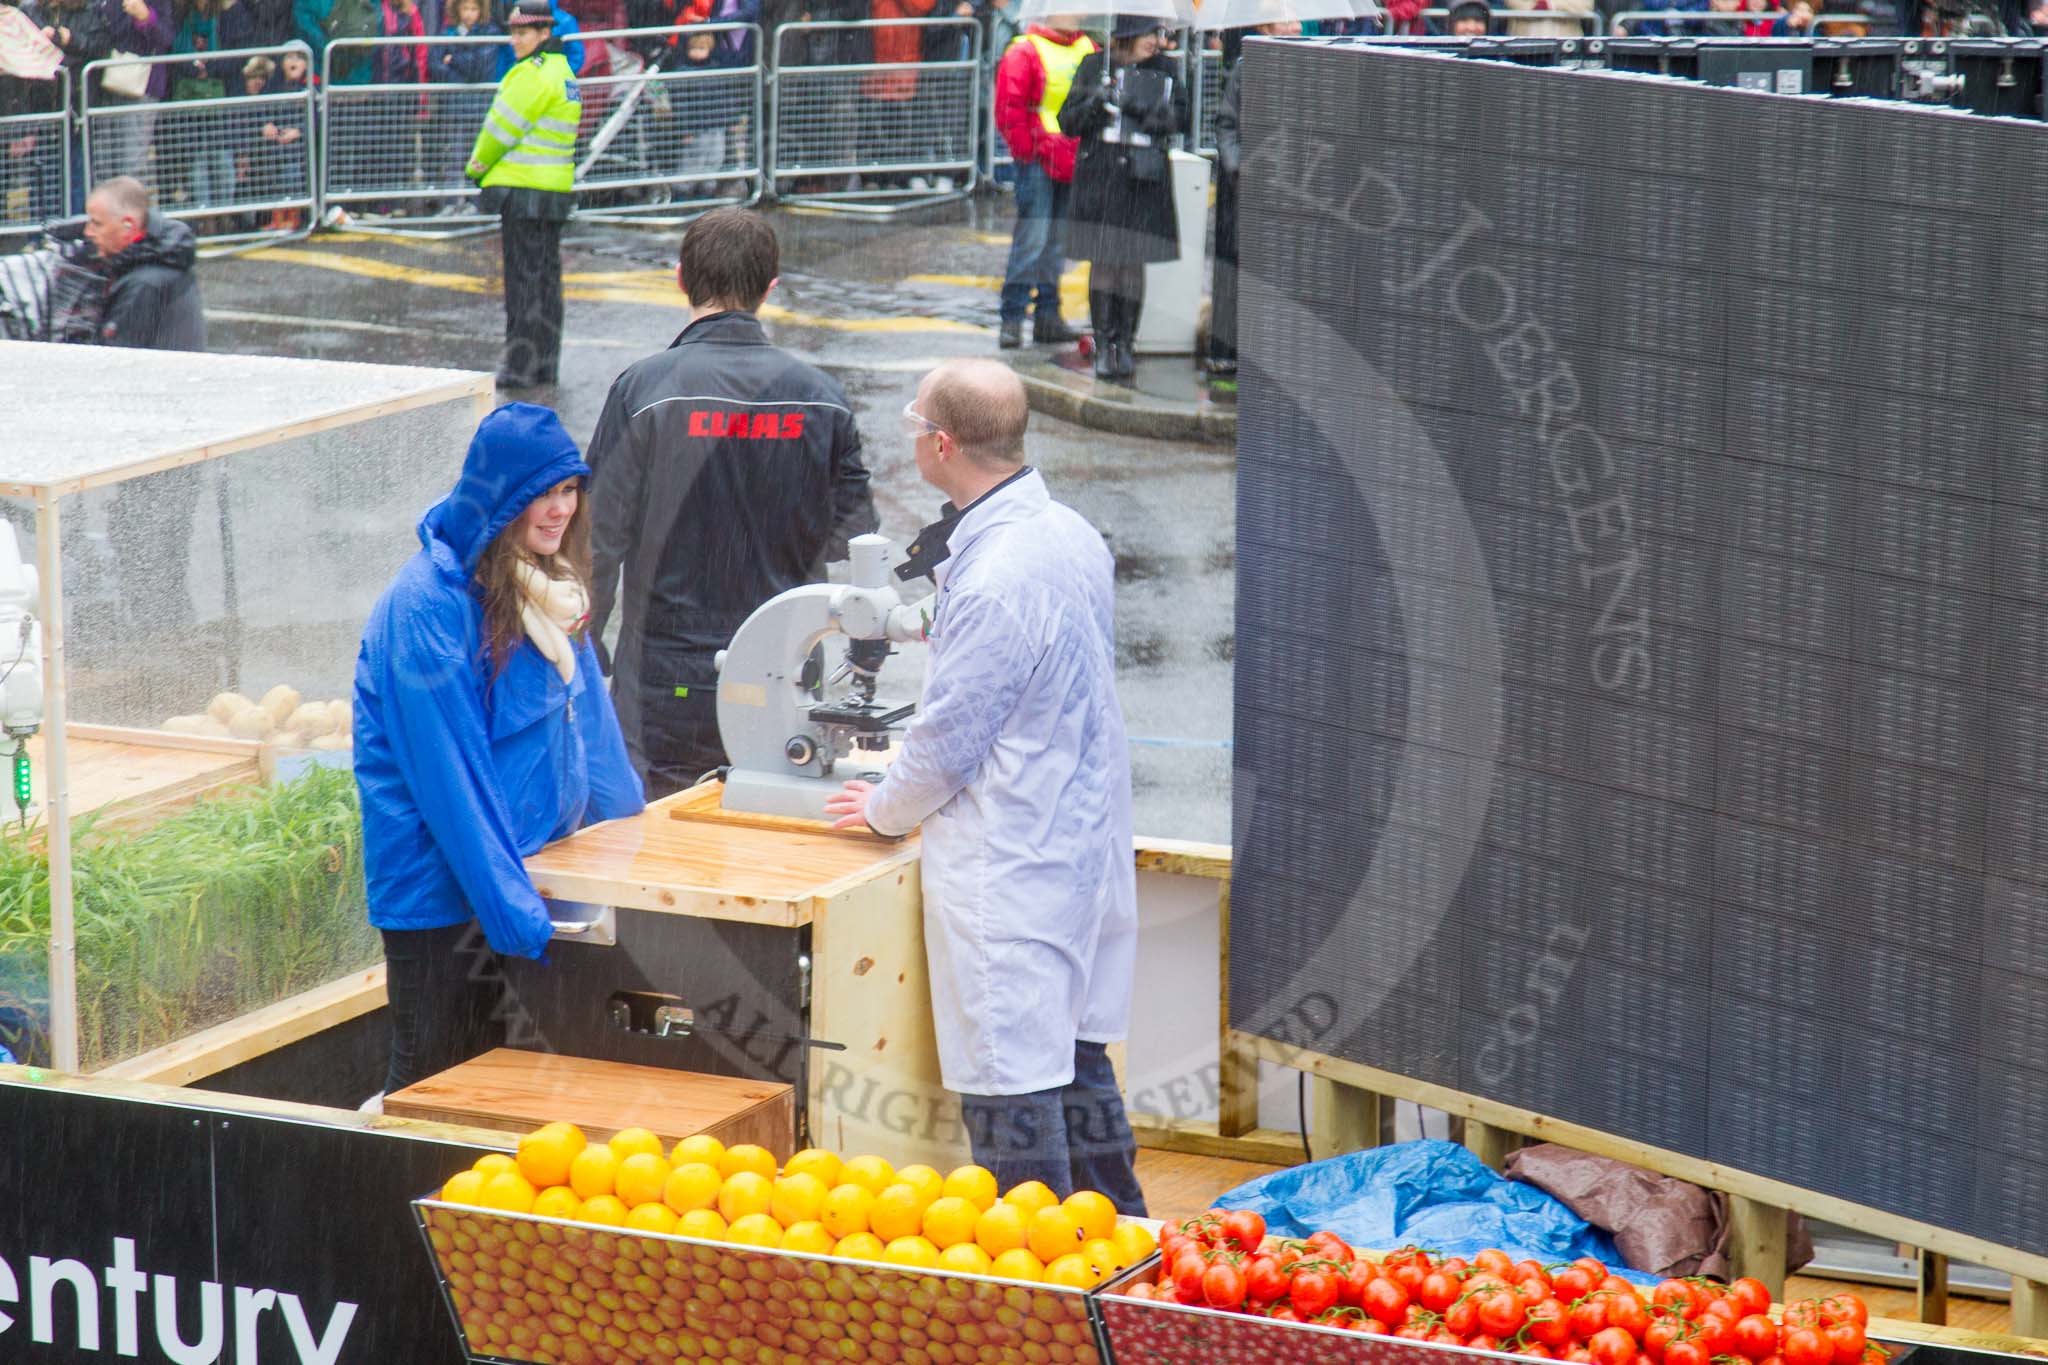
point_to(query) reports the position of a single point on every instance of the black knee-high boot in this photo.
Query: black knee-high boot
(1102, 318)
(1127, 332)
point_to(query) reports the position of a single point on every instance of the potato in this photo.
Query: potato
(311, 721)
(213, 729)
(332, 742)
(187, 725)
(344, 713)
(280, 701)
(254, 723)
(227, 705)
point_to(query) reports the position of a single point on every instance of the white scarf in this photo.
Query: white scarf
(549, 609)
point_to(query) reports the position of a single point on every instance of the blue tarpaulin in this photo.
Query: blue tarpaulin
(1429, 1194)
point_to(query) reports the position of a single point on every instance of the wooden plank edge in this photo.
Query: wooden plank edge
(775, 912)
(212, 1051)
(1182, 858)
(255, 1106)
(1962, 1338)
(1710, 1174)
(1266, 1146)
(248, 749)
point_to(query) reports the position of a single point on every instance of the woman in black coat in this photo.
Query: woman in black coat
(1125, 106)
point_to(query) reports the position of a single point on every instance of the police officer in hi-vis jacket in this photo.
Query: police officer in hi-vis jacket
(525, 160)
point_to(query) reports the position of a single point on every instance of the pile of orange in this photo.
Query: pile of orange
(860, 1208)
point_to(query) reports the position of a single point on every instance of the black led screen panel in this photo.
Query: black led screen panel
(1642, 691)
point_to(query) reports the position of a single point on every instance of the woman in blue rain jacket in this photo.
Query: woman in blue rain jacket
(483, 730)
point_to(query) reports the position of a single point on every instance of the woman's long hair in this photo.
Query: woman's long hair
(498, 580)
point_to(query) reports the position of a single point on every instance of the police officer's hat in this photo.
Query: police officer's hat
(531, 12)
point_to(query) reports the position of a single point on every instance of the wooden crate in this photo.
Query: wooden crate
(515, 1092)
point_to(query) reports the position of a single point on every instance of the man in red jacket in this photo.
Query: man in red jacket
(1031, 84)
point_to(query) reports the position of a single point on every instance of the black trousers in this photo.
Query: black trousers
(533, 299)
(447, 993)
(1223, 289)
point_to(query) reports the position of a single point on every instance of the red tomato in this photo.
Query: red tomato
(1415, 1331)
(1223, 1286)
(1849, 1341)
(1572, 1283)
(1140, 1290)
(1627, 1312)
(1315, 1291)
(1409, 1255)
(1171, 1240)
(1677, 1296)
(1579, 1355)
(1493, 1262)
(1409, 1277)
(1614, 1284)
(1502, 1313)
(1845, 1308)
(1444, 1336)
(1715, 1333)
(1592, 1266)
(1386, 1301)
(1351, 1283)
(1264, 1280)
(1331, 1247)
(1281, 1312)
(1245, 1228)
(1535, 1348)
(1805, 1313)
(1751, 1295)
(1589, 1317)
(1686, 1353)
(1485, 1341)
(1549, 1324)
(1194, 1300)
(1807, 1346)
(1756, 1336)
(1665, 1330)
(1188, 1268)
(1457, 1266)
(1612, 1346)
(1462, 1316)
(1524, 1269)
(1438, 1291)
(1530, 1290)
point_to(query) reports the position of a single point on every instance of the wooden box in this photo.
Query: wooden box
(516, 1092)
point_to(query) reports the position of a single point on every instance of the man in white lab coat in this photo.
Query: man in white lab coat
(1018, 770)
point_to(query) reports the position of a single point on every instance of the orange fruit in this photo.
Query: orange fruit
(603, 1208)
(652, 1217)
(1053, 1233)
(949, 1222)
(545, 1153)
(1102, 1257)
(494, 1163)
(928, 1183)
(703, 1224)
(556, 1201)
(845, 1210)
(1031, 1196)
(698, 1147)
(898, 1212)
(797, 1199)
(465, 1187)
(746, 1193)
(811, 1237)
(692, 1185)
(641, 1179)
(975, 1184)
(632, 1141)
(1093, 1212)
(1134, 1242)
(870, 1172)
(859, 1246)
(508, 1190)
(966, 1258)
(755, 1230)
(747, 1157)
(818, 1162)
(1018, 1264)
(911, 1251)
(592, 1172)
(1071, 1271)
(1002, 1228)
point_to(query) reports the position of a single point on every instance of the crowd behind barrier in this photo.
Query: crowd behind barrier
(305, 106)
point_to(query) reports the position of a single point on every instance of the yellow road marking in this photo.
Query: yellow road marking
(649, 288)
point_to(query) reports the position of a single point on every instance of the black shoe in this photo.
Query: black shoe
(1012, 334)
(1050, 329)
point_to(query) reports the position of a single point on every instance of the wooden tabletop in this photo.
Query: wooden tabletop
(709, 869)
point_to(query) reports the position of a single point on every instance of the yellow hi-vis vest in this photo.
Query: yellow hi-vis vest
(529, 138)
(1061, 61)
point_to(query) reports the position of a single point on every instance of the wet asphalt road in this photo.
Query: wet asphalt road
(875, 303)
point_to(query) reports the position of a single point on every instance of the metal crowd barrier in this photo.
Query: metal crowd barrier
(1208, 97)
(35, 172)
(1513, 23)
(396, 146)
(1681, 20)
(869, 136)
(224, 163)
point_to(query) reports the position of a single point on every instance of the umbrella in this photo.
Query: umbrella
(1169, 13)
(1222, 14)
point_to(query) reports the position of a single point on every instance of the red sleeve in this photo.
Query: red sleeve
(1020, 85)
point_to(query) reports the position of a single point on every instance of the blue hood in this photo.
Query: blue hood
(519, 452)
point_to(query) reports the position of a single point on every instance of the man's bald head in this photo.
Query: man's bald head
(981, 405)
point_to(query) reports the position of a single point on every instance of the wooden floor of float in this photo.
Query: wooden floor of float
(129, 776)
